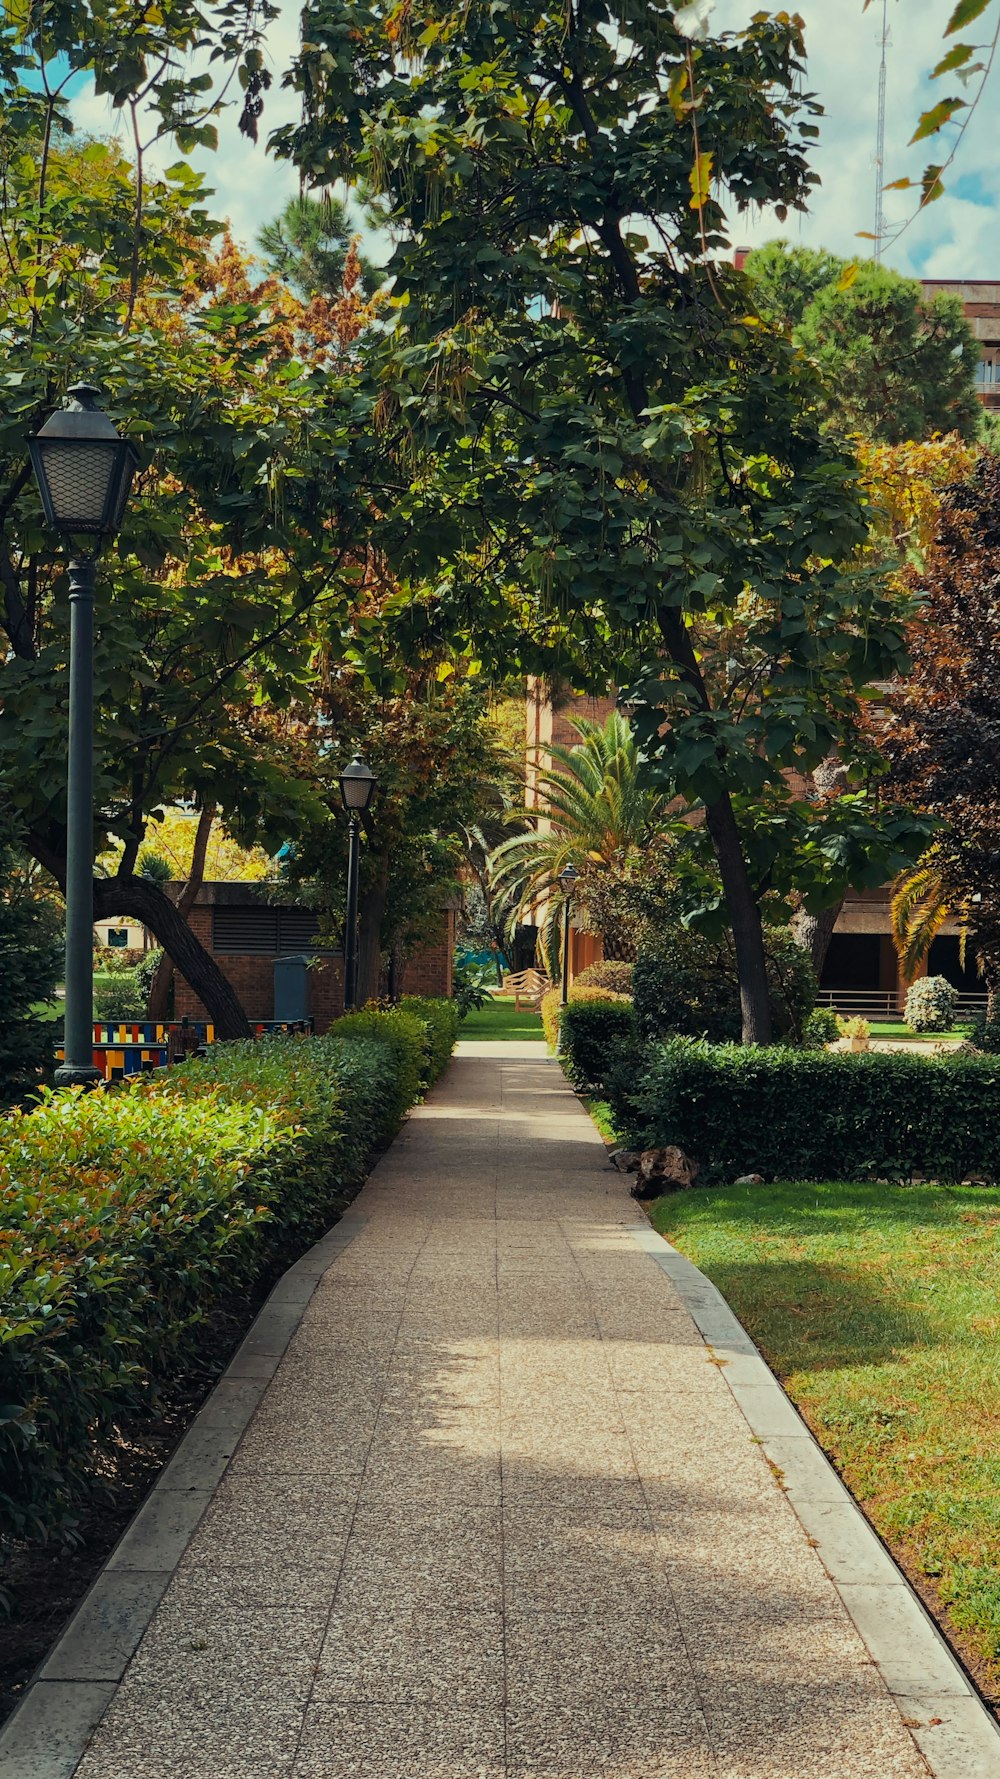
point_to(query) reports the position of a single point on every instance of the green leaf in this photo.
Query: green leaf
(934, 120)
(964, 13)
(956, 58)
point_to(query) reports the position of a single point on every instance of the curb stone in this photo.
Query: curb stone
(953, 1728)
(47, 1735)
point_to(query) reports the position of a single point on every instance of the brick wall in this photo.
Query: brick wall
(428, 972)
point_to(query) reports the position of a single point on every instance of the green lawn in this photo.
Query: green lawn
(47, 1010)
(889, 1029)
(499, 1022)
(879, 1309)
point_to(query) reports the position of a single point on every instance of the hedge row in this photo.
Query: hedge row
(129, 1215)
(811, 1115)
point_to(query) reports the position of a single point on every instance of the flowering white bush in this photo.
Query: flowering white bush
(930, 1004)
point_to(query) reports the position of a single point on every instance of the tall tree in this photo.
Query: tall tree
(604, 466)
(941, 728)
(245, 511)
(308, 246)
(896, 364)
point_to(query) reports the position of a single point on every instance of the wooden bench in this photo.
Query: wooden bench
(526, 985)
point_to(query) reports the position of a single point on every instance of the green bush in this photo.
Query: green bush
(930, 1004)
(407, 1037)
(688, 986)
(813, 1115)
(130, 1214)
(821, 1028)
(119, 995)
(441, 1018)
(590, 1029)
(30, 967)
(472, 985)
(609, 972)
(984, 1034)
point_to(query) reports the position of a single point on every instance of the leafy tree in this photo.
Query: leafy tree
(896, 364)
(441, 772)
(308, 245)
(30, 964)
(239, 532)
(941, 728)
(605, 468)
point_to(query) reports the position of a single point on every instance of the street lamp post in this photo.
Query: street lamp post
(84, 473)
(357, 787)
(567, 880)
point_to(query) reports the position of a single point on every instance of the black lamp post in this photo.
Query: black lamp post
(84, 473)
(357, 787)
(567, 880)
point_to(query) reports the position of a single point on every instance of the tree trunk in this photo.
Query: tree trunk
(371, 913)
(814, 932)
(148, 903)
(159, 993)
(748, 936)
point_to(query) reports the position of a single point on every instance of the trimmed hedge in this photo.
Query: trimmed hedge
(595, 1022)
(442, 1019)
(129, 1215)
(813, 1115)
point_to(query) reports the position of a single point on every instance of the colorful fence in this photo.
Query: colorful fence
(129, 1047)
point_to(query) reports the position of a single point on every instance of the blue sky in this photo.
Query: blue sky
(956, 237)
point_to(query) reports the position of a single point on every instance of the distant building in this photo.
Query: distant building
(981, 302)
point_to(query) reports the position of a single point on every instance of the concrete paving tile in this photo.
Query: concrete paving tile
(211, 1648)
(803, 1473)
(182, 1722)
(48, 1732)
(254, 1516)
(830, 1738)
(400, 1742)
(204, 1585)
(432, 1656)
(565, 1658)
(284, 1445)
(636, 1741)
(414, 1560)
(845, 1543)
(138, 1765)
(547, 1567)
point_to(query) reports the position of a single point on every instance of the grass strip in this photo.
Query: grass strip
(878, 1308)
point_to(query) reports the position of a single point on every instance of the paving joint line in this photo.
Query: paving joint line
(50, 1729)
(952, 1727)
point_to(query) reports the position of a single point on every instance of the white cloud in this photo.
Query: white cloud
(956, 237)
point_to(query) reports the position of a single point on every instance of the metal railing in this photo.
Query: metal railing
(887, 1004)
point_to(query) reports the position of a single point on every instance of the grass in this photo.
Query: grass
(48, 1010)
(896, 1029)
(877, 1306)
(499, 1022)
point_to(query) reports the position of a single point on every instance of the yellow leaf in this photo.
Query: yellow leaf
(701, 181)
(848, 276)
(675, 91)
(444, 671)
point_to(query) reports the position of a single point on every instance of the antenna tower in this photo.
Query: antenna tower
(879, 230)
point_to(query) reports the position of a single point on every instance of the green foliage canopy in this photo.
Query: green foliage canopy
(606, 467)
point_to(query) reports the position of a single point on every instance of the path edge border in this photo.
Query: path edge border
(951, 1724)
(48, 1732)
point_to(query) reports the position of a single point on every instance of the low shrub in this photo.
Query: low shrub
(821, 1028)
(610, 972)
(441, 1018)
(119, 995)
(984, 1034)
(792, 1114)
(549, 1009)
(930, 1004)
(592, 1025)
(131, 1214)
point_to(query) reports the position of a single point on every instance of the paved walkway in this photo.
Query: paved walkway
(499, 1514)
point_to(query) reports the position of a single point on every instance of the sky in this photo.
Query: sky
(956, 237)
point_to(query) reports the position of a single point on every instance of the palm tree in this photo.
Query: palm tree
(595, 812)
(919, 909)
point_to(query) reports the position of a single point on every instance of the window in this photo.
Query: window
(118, 938)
